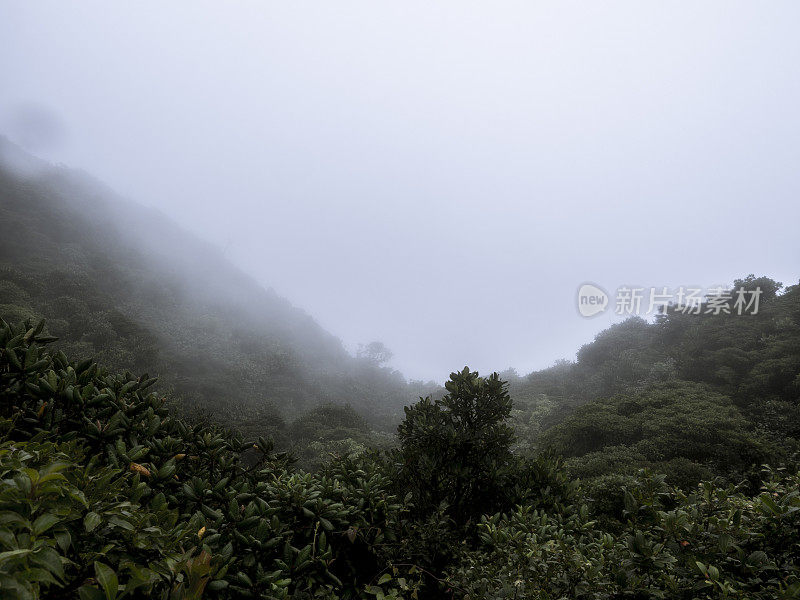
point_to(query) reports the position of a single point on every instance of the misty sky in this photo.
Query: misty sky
(441, 176)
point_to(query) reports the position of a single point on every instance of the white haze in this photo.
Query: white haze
(439, 176)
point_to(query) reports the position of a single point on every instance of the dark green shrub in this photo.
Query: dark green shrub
(456, 450)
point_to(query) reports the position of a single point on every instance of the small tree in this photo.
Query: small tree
(375, 352)
(456, 450)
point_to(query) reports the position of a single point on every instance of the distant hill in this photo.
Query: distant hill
(123, 282)
(689, 395)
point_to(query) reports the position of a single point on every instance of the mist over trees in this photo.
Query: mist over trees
(123, 283)
(169, 429)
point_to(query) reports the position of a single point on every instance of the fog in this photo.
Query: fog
(441, 177)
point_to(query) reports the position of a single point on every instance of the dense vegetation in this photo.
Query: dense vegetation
(105, 494)
(662, 463)
(124, 284)
(692, 396)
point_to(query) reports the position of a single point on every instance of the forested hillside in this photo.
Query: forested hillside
(104, 494)
(690, 395)
(662, 463)
(123, 283)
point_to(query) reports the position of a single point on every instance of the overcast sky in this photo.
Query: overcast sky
(441, 176)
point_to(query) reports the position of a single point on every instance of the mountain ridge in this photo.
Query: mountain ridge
(70, 247)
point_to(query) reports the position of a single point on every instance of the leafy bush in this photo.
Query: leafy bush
(457, 450)
(249, 528)
(105, 493)
(713, 543)
(64, 524)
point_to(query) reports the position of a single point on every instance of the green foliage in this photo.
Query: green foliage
(456, 451)
(752, 359)
(681, 428)
(713, 543)
(60, 518)
(692, 396)
(328, 420)
(122, 284)
(107, 492)
(330, 430)
(179, 508)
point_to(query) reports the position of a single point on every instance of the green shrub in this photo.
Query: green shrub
(249, 528)
(105, 493)
(456, 450)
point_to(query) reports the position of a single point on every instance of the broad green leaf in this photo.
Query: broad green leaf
(11, 554)
(107, 579)
(44, 522)
(90, 593)
(91, 521)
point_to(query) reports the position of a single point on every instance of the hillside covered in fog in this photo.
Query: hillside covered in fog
(680, 481)
(122, 282)
(691, 396)
(399, 301)
(664, 458)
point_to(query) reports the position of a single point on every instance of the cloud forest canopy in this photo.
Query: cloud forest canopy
(662, 463)
(124, 283)
(105, 494)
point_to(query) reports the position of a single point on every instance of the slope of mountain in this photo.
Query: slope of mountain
(690, 395)
(106, 492)
(123, 282)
